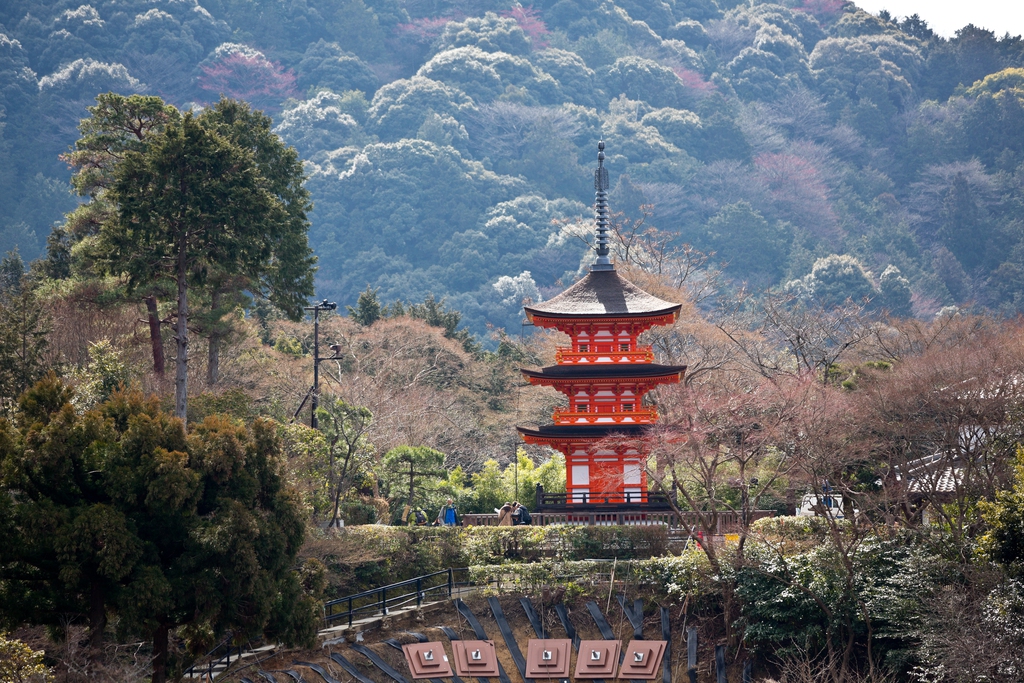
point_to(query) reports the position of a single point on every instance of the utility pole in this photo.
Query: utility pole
(324, 305)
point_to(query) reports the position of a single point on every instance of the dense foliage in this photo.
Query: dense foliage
(119, 511)
(771, 134)
(212, 203)
(840, 164)
(366, 557)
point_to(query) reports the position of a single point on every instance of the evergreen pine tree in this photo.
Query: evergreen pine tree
(190, 204)
(24, 326)
(367, 310)
(119, 511)
(962, 230)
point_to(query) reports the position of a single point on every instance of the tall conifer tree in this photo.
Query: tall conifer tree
(189, 203)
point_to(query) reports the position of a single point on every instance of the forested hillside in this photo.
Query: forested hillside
(450, 143)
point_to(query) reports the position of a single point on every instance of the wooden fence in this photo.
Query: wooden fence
(727, 523)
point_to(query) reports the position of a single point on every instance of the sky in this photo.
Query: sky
(946, 16)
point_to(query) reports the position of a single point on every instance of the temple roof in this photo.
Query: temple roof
(598, 431)
(603, 293)
(612, 371)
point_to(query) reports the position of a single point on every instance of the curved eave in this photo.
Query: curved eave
(603, 294)
(580, 433)
(605, 372)
(554, 317)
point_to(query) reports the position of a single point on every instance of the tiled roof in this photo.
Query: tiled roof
(605, 371)
(942, 481)
(598, 431)
(603, 292)
(935, 473)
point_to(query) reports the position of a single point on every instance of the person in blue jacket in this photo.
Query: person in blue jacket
(448, 516)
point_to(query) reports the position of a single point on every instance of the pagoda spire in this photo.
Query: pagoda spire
(601, 194)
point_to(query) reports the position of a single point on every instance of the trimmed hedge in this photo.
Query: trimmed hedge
(364, 557)
(792, 528)
(670, 578)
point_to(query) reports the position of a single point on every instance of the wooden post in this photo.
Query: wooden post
(691, 650)
(611, 586)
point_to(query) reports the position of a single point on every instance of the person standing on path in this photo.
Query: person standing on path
(448, 516)
(505, 515)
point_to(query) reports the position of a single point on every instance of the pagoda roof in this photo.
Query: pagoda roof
(603, 293)
(598, 431)
(590, 371)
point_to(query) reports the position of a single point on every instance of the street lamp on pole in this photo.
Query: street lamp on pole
(324, 305)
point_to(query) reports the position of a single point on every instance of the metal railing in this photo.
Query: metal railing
(380, 601)
(218, 658)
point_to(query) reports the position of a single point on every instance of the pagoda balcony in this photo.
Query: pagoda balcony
(569, 417)
(566, 356)
(549, 502)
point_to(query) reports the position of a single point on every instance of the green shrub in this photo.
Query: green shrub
(358, 512)
(532, 577)
(607, 542)
(233, 402)
(686, 574)
(791, 528)
(19, 662)
(782, 596)
(497, 545)
(288, 345)
(362, 557)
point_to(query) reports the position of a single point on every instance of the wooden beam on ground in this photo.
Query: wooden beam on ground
(531, 614)
(666, 635)
(453, 635)
(510, 639)
(349, 668)
(326, 676)
(380, 663)
(481, 634)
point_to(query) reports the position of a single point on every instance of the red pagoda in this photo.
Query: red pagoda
(604, 374)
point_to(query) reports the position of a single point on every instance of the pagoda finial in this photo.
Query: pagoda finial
(601, 194)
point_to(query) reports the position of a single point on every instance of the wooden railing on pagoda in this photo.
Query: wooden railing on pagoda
(609, 502)
(566, 356)
(570, 417)
(687, 522)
